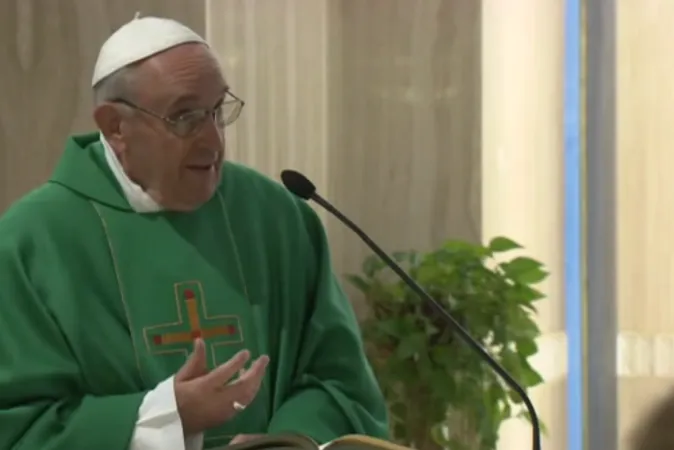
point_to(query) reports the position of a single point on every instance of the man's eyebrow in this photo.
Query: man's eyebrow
(188, 98)
(183, 100)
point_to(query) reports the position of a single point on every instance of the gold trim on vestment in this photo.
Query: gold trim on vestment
(120, 287)
(176, 287)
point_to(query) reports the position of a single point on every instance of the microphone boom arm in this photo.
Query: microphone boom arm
(465, 336)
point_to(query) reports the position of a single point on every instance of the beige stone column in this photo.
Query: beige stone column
(645, 203)
(275, 56)
(522, 174)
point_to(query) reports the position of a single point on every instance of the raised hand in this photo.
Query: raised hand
(207, 399)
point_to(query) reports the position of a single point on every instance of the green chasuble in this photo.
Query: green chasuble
(98, 304)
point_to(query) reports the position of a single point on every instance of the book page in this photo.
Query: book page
(360, 442)
(278, 442)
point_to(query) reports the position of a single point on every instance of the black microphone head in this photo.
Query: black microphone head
(298, 184)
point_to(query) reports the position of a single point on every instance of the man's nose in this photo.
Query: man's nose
(212, 133)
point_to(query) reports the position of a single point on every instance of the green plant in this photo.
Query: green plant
(440, 394)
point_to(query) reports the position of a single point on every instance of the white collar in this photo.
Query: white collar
(139, 200)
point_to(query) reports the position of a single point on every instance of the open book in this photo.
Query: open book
(299, 442)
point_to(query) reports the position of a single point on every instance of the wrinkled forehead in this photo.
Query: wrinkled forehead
(189, 73)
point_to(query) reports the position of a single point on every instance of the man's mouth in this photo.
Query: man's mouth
(201, 167)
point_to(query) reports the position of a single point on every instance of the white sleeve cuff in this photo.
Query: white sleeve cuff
(158, 426)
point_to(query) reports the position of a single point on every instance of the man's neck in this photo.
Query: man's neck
(139, 200)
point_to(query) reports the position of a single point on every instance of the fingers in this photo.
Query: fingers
(255, 373)
(238, 439)
(245, 388)
(241, 438)
(223, 373)
(195, 365)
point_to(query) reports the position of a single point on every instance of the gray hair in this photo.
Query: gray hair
(119, 85)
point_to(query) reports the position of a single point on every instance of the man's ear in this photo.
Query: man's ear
(108, 118)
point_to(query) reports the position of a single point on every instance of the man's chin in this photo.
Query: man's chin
(200, 200)
(193, 202)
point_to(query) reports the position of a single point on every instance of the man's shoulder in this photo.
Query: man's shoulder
(244, 181)
(254, 192)
(48, 204)
(240, 176)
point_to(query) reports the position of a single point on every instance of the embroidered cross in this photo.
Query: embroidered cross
(179, 336)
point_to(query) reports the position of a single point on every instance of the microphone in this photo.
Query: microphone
(303, 188)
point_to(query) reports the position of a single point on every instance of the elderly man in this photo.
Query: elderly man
(153, 296)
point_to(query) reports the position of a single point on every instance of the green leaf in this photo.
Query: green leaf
(438, 435)
(372, 266)
(515, 397)
(390, 327)
(524, 270)
(532, 277)
(525, 415)
(528, 376)
(407, 257)
(511, 362)
(530, 307)
(398, 412)
(411, 345)
(392, 293)
(523, 326)
(441, 386)
(433, 274)
(466, 249)
(523, 293)
(430, 328)
(527, 347)
(519, 265)
(442, 355)
(503, 244)
(358, 282)
(506, 411)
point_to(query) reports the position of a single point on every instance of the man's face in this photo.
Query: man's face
(171, 136)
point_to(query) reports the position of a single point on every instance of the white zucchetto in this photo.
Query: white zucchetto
(138, 39)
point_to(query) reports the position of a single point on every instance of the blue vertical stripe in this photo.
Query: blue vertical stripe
(572, 225)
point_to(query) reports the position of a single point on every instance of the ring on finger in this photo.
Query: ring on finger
(238, 406)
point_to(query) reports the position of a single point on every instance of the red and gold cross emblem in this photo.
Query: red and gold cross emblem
(193, 322)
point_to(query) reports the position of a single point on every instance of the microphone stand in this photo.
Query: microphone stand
(465, 336)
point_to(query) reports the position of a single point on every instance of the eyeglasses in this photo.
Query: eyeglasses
(189, 123)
